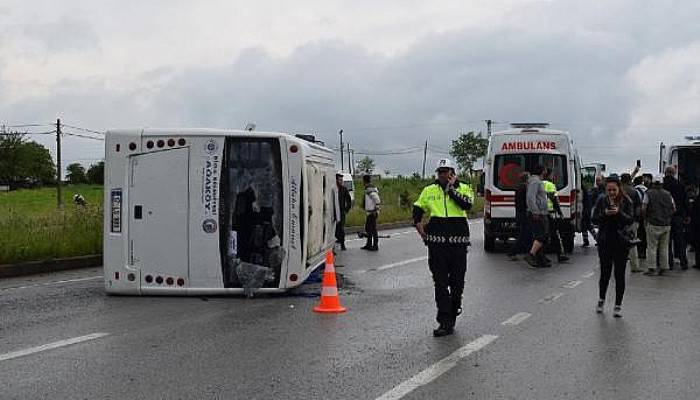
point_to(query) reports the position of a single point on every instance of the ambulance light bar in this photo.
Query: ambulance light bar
(528, 125)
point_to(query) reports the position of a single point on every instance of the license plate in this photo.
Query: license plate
(116, 202)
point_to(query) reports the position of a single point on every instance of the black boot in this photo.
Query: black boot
(375, 242)
(443, 330)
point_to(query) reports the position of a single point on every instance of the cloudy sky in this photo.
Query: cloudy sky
(620, 75)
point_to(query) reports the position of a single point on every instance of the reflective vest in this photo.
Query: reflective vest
(550, 188)
(435, 202)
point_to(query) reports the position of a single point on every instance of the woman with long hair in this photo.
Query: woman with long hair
(613, 214)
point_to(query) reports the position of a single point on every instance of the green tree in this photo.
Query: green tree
(468, 148)
(366, 165)
(22, 160)
(96, 173)
(76, 173)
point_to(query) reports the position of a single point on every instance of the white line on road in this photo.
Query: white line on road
(392, 265)
(588, 274)
(432, 372)
(551, 298)
(51, 346)
(92, 278)
(572, 284)
(516, 319)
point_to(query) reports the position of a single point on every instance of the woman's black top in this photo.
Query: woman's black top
(610, 225)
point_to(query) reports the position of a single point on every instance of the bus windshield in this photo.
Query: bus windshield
(688, 161)
(588, 177)
(252, 212)
(508, 168)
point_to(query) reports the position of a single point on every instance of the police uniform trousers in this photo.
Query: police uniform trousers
(448, 264)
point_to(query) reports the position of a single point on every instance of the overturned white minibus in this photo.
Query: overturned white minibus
(205, 211)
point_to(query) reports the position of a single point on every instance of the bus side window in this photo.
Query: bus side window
(481, 186)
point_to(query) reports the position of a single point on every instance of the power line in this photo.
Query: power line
(83, 129)
(28, 133)
(27, 125)
(413, 125)
(83, 136)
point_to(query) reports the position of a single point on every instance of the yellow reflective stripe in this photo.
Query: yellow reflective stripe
(436, 203)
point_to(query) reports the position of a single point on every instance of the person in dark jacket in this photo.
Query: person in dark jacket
(694, 231)
(598, 190)
(344, 205)
(632, 193)
(612, 213)
(677, 246)
(586, 224)
(658, 209)
(522, 220)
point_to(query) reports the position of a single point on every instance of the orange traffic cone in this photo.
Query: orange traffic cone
(330, 302)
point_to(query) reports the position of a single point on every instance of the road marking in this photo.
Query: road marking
(588, 275)
(51, 346)
(516, 319)
(92, 278)
(551, 298)
(392, 265)
(572, 284)
(432, 372)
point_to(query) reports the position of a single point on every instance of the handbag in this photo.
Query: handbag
(628, 236)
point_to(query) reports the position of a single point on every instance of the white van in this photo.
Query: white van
(519, 149)
(685, 157)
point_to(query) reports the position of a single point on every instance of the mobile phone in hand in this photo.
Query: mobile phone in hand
(639, 163)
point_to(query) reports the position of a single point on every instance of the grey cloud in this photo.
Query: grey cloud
(443, 84)
(66, 34)
(570, 71)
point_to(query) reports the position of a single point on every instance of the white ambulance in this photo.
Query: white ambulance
(520, 149)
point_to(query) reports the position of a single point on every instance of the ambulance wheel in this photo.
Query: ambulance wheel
(489, 243)
(568, 243)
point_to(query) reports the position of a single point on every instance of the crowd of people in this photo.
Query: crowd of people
(642, 220)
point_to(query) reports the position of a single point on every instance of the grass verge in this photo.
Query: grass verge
(33, 229)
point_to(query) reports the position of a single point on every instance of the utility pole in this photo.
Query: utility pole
(488, 128)
(341, 149)
(425, 154)
(352, 162)
(349, 164)
(59, 199)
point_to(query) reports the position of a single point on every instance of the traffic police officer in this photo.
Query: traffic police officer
(447, 236)
(554, 210)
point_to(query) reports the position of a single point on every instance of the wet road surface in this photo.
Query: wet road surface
(525, 334)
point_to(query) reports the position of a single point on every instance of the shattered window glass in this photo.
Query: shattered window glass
(252, 251)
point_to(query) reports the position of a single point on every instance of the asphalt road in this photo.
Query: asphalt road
(525, 334)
